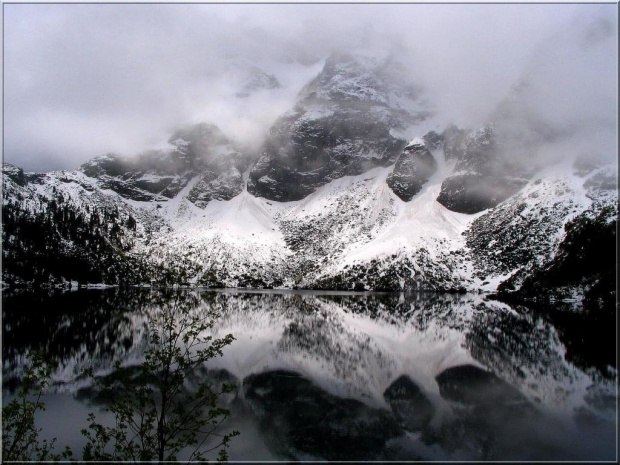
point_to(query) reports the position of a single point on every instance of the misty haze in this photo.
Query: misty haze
(310, 232)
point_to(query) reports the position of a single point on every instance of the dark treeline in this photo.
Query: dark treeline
(58, 242)
(61, 242)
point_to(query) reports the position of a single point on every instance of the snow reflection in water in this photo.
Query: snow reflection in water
(344, 376)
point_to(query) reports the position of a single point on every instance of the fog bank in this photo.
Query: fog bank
(82, 80)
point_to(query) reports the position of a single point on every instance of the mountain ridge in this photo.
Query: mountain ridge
(340, 207)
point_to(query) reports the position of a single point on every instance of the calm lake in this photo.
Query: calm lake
(344, 376)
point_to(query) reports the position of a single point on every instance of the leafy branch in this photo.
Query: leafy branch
(157, 415)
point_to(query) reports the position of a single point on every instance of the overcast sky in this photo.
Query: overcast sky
(83, 80)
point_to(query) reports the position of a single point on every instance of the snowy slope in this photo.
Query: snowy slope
(333, 197)
(351, 222)
(351, 233)
(357, 223)
(524, 232)
(237, 243)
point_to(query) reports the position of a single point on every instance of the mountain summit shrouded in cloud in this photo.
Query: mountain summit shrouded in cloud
(85, 80)
(412, 147)
(331, 177)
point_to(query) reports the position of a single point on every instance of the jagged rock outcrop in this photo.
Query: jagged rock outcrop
(120, 175)
(339, 149)
(482, 177)
(413, 168)
(15, 174)
(473, 192)
(212, 186)
(201, 151)
(204, 146)
(342, 125)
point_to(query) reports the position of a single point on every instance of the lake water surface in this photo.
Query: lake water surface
(343, 376)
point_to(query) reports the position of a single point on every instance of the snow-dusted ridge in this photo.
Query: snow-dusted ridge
(351, 233)
(334, 198)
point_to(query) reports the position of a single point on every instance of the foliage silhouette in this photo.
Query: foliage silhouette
(157, 414)
(20, 436)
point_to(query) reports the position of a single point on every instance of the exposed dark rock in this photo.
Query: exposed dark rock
(413, 168)
(302, 419)
(176, 185)
(340, 126)
(304, 152)
(474, 192)
(110, 164)
(139, 179)
(482, 178)
(199, 150)
(127, 190)
(213, 187)
(200, 146)
(14, 173)
(410, 406)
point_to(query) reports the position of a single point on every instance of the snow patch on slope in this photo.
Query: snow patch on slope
(524, 231)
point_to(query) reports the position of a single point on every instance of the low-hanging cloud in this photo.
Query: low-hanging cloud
(82, 80)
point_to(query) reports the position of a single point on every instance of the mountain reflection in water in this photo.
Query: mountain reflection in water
(344, 376)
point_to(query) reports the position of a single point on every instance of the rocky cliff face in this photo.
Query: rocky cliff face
(355, 233)
(336, 200)
(201, 153)
(343, 124)
(483, 177)
(413, 168)
(14, 173)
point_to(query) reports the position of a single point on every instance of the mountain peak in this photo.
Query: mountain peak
(200, 151)
(342, 124)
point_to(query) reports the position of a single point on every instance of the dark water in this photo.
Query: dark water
(349, 376)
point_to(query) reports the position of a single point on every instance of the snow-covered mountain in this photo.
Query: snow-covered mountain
(201, 151)
(343, 124)
(336, 198)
